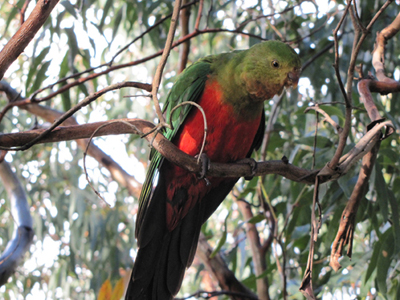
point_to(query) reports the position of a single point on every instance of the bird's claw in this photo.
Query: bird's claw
(253, 166)
(204, 161)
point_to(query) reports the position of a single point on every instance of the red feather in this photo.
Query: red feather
(228, 139)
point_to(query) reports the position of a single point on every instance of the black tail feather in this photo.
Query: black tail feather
(163, 256)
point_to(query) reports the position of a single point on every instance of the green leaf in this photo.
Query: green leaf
(256, 219)
(249, 188)
(10, 18)
(40, 76)
(375, 255)
(347, 183)
(322, 142)
(35, 66)
(398, 292)
(333, 111)
(73, 44)
(395, 220)
(382, 191)
(106, 8)
(389, 153)
(222, 240)
(69, 8)
(66, 100)
(384, 260)
(117, 21)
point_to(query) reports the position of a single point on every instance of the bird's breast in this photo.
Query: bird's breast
(229, 136)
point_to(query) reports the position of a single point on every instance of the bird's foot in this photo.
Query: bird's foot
(205, 162)
(253, 166)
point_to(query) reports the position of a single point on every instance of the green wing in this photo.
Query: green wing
(188, 87)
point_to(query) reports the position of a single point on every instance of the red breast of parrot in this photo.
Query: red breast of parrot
(230, 88)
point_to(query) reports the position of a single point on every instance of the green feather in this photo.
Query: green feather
(247, 78)
(188, 87)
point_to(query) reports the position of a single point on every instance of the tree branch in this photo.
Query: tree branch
(89, 99)
(347, 224)
(48, 114)
(168, 46)
(220, 271)
(185, 47)
(258, 252)
(25, 34)
(161, 144)
(350, 75)
(23, 232)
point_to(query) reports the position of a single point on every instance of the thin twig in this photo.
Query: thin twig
(306, 284)
(185, 47)
(199, 14)
(336, 44)
(87, 149)
(89, 99)
(156, 24)
(350, 75)
(327, 117)
(213, 294)
(23, 10)
(315, 140)
(125, 65)
(163, 61)
(204, 120)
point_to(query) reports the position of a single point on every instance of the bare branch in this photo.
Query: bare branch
(327, 117)
(163, 61)
(350, 75)
(161, 144)
(89, 99)
(378, 58)
(258, 253)
(365, 86)
(25, 34)
(185, 47)
(49, 115)
(23, 11)
(306, 284)
(23, 232)
(220, 271)
(345, 232)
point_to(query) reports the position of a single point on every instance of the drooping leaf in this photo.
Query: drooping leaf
(384, 260)
(119, 290)
(69, 8)
(105, 291)
(382, 192)
(222, 240)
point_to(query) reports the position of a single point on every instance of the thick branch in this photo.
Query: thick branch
(89, 99)
(365, 86)
(23, 232)
(350, 75)
(25, 34)
(258, 252)
(220, 271)
(378, 58)
(50, 115)
(345, 232)
(161, 144)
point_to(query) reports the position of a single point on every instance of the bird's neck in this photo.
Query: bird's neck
(228, 74)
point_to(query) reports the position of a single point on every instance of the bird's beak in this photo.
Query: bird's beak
(293, 78)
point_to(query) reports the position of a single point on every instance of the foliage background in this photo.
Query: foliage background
(80, 241)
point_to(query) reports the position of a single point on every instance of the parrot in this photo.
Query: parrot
(231, 89)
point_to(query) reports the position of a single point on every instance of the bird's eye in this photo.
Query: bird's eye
(275, 64)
